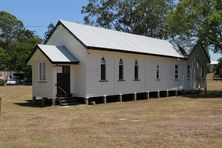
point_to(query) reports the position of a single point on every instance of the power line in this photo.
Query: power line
(35, 26)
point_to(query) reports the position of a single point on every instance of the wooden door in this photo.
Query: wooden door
(63, 81)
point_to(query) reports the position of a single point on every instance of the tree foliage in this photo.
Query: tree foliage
(16, 43)
(144, 17)
(9, 29)
(4, 59)
(186, 19)
(49, 31)
(198, 19)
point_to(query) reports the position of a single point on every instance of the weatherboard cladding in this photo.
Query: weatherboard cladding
(104, 39)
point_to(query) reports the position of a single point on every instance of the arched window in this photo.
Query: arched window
(103, 69)
(188, 71)
(157, 72)
(176, 72)
(120, 69)
(136, 70)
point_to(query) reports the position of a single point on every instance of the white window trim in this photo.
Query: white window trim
(42, 76)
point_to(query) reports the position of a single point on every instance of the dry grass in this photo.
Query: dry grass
(166, 122)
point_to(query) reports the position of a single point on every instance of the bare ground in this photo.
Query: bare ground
(166, 122)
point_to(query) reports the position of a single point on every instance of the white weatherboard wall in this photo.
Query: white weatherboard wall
(42, 88)
(147, 73)
(61, 37)
(197, 60)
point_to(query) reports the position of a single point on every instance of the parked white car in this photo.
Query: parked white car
(11, 82)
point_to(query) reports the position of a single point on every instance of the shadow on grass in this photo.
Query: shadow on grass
(202, 95)
(38, 103)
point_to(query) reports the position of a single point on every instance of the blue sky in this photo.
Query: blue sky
(43, 12)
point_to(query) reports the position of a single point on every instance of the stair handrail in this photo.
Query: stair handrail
(65, 93)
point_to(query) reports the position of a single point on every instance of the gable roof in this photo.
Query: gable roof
(104, 39)
(188, 45)
(56, 54)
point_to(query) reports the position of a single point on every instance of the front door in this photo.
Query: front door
(63, 81)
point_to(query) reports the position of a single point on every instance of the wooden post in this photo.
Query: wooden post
(148, 95)
(167, 93)
(120, 98)
(205, 87)
(34, 100)
(53, 101)
(0, 106)
(104, 99)
(176, 93)
(135, 97)
(87, 100)
(158, 94)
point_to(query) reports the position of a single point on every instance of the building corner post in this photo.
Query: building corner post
(87, 100)
(53, 101)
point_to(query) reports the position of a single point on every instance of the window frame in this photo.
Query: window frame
(158, 72)
(121, 70)
(136, 71)
(42, 72)
(188, 72)
(103, 70)
(176, 72)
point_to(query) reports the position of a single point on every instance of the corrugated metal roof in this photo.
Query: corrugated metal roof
(57, 54)
(95, 37)
(214, 62)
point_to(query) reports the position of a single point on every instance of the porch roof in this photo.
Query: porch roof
(58, 54)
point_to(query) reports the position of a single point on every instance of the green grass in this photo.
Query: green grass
(166, 122)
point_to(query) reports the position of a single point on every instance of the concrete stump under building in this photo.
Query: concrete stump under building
(120, 98)
(148, 95)
(104, 99)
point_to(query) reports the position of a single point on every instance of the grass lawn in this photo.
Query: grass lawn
(166, 122)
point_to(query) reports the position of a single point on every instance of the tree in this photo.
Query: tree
(144, 17)
(16, 43)
(50, 29)
(9, 29)
(198, 19)
(3, 60)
